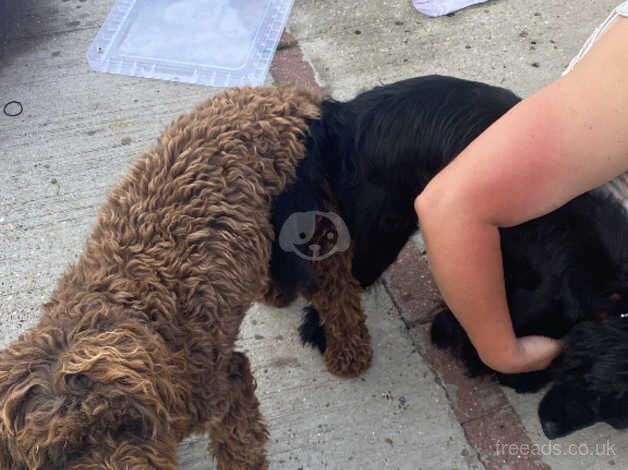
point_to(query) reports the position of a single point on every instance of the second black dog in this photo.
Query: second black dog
(374, 154)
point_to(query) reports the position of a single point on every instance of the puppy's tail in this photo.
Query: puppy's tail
(311, 330)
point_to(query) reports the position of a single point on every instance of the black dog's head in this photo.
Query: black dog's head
(401, 136)
(592, 380)
(314, 235)
(591, 376)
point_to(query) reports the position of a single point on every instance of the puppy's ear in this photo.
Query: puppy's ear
(59, 390)
(122, 393)
(27, 401)
(590, 379)
(568, 407)
(116, 377)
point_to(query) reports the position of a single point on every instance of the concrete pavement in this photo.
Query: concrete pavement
(79, 129)
(354, 45)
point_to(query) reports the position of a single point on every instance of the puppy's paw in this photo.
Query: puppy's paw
(349, 357)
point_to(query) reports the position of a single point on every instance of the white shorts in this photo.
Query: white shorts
(621, 10)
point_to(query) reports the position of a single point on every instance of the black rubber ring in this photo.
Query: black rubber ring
(19, 111)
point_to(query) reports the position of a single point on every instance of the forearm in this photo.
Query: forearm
(465, 258)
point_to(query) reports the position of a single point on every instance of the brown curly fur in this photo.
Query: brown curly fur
(135, 349)
(336, 296)
(337, 299)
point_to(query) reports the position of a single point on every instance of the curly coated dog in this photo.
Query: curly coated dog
(372, 155)
(135, 349)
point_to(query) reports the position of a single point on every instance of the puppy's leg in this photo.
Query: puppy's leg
(337, 299)
(238, 440)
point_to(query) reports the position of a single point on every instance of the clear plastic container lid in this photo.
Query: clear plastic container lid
(210, 42)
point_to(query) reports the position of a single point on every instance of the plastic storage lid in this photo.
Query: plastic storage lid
(209, 42)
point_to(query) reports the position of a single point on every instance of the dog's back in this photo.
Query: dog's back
(558, 266)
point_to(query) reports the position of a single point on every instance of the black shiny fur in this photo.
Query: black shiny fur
(379, 150)
(591, 379)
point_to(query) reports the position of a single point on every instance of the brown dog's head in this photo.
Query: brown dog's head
(88, 395)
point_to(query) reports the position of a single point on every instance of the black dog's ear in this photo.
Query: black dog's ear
(568, 407)
(333, 139)
(290, 271)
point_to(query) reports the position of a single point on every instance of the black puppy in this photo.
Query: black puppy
(372, 156)
(565, 275)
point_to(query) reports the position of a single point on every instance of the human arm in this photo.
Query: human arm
(568, 138)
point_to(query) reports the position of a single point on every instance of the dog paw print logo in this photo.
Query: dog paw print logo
(314, 235)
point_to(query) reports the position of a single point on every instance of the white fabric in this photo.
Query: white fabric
(622, 10)
(442, 7)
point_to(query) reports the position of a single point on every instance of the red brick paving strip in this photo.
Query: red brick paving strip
(490, 423)
(412, 287)
(480, 406)
(289, 65)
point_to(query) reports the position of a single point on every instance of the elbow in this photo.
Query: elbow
(432, 205)
(421, 205)
(446, 203)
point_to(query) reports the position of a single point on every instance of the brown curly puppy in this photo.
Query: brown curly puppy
(135, 349)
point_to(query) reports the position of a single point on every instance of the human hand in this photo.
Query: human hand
(530, 353)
